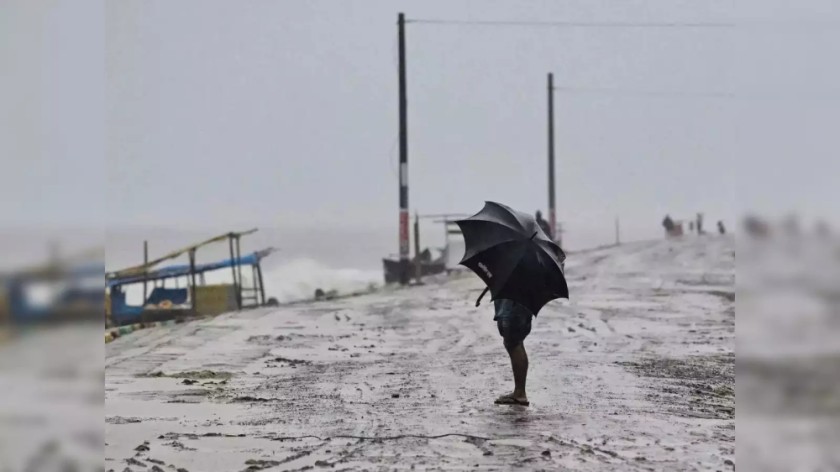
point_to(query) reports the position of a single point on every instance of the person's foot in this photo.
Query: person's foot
(511, 399)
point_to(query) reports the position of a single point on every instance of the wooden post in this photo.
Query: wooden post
(256, 287)
(617, 233)
(418, 268)
(233, 271)
(192, 280)
(445, 232)
(262, 285)
(145, 270)
(239, 271)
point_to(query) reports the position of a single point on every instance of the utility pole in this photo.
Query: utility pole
(617, 232)
(404, 263)
(552, 214)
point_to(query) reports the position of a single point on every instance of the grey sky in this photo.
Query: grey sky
(285, 113)
(51, 113)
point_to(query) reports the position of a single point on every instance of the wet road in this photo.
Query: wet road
(636, 372)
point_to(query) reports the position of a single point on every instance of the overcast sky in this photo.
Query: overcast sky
(280, 113)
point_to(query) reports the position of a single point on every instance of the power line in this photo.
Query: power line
(739, 25)
(572, 24)
(645, 93)
(741, 96)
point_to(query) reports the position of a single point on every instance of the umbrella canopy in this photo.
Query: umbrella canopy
(517, 260)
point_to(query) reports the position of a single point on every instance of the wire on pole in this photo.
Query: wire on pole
(571, 24)
(645, 93)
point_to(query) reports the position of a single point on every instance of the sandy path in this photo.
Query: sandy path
(635, 373)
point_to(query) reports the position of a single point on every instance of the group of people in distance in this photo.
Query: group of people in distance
(673, 228)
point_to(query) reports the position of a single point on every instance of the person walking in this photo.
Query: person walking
(668, 224)
(524, 270)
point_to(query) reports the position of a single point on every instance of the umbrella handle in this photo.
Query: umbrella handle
(478, 302)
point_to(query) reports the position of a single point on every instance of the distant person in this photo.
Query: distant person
(721, 228)
(756, 227)
(425, 256)
(543, 224)
(668, 224)
(700, 224)
(691, 226)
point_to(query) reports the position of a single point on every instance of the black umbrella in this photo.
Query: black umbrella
(517, 260)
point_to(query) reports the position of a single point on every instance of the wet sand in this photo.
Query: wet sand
(636, 372)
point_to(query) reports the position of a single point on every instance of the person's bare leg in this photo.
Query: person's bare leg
(519, 363)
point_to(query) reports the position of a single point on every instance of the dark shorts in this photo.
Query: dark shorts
(513, 321)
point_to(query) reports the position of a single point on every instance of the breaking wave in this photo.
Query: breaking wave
(292, 281)
(299, 278)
